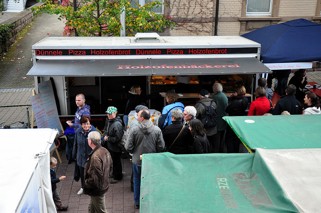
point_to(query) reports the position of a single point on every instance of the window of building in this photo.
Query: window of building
(159, 9)
(259, 7)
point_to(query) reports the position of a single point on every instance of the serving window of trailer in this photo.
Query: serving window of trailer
(114, 90)
(187, 79)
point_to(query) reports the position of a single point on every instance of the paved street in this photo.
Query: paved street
(15, 64)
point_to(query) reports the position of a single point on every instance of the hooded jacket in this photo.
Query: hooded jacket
(144, 138)
(115, 131)
(97, 172)
(312, 111)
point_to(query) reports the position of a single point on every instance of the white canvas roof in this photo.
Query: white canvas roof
(298, 172)
(20, 168)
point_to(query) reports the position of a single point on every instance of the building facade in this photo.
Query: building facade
(235, 17)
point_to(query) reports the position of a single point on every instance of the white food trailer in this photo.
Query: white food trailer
(104, 68)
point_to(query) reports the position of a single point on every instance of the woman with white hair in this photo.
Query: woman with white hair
(189, 114)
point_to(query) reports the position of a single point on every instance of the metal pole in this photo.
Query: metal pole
(123, 22)
(216, 16)
(28, 118)
(75, 9)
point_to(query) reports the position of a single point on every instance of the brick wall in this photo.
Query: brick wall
(19, 22)
(297, 8)
(196, 17)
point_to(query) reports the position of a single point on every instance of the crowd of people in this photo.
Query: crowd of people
(180, 129)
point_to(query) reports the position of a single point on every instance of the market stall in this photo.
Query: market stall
(277, 131)
(104, 68)
(267, 181)
(25, 173)
(289, 42)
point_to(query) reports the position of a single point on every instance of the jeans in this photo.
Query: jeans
(82, 175)
(125, 119)
(136, 174)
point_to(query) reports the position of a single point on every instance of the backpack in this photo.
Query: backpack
(209, 119)
(163, 117)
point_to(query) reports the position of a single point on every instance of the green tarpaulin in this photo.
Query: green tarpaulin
(277, 131)
(210, 183)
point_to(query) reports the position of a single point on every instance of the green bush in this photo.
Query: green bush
(1, 5)
(5, 32)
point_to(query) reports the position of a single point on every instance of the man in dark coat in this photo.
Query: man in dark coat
(97, 173)
(211, 131)
(113, 133)
(288, 103)
(178, 138)
(221, 101)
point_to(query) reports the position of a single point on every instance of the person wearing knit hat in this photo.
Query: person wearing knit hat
(113, 133)
(204, 93)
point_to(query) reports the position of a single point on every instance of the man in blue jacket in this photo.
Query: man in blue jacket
(82, 109)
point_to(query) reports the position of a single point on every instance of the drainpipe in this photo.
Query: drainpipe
(75, 9)
(216, 17)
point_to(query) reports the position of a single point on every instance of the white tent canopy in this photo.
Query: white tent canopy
(24, 167)
(298, 173)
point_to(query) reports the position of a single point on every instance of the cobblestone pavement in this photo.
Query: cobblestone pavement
(119, 198)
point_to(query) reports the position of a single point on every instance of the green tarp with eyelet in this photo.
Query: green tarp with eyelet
(209, 183)
(277, 131)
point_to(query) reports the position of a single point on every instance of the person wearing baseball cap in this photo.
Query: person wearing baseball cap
(111, 109)
(113, 133)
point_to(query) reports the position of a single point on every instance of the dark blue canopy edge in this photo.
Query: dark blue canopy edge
(293, 41)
